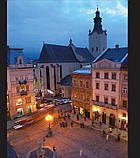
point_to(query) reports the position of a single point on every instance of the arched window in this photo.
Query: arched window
(60, 71)
(48, 77)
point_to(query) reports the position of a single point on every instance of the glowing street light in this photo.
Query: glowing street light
(48, 118)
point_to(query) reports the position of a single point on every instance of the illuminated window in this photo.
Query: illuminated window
(19, 101)
(124, 103)
(28, 99)
(17, 89)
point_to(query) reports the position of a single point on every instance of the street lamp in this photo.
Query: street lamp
(48, 118)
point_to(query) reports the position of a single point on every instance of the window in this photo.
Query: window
(74, 82)
(113, 87)
(105, 86)
(60, 71)
(113, 101)
(48, 77)
(97, 75)
(21, 77)
(26, 77)
(92, 49)
(20, 61)
(124, 103)
(80, 83)
(97, 85)
(27, 87)
(22, 88)
(96, 48)
(16, 78)
(87, 84)
(17, 89)
(97, 98)
(80, 65)
(106, 75)
(114, 75)
(19, 101)
(124, 114)
(54, 77)
(125, 77)
(106, 100)
(40, 73)
(28, 99)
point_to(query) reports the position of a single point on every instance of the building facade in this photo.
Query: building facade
(81, 91)
(97, 37)
(20, 85)
(56, 62)
(109, 103)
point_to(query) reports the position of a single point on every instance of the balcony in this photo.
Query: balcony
(23, 93)
(22, 82)
(101, 104)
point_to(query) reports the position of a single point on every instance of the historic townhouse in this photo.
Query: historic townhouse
(20, 85)
(109, 87)
(81, 91)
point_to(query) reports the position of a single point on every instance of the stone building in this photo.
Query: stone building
(81, 95)
(56, 62)
(66, 84)
(20, 85)
(97, 37)
(109, 87)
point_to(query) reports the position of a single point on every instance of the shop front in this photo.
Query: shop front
(20, 112)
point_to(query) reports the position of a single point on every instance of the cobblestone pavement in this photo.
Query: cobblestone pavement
(68, 141)
(115, 131)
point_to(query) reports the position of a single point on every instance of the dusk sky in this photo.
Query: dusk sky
(30, 22)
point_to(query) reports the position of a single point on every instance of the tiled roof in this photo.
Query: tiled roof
(57, 54)
(117, 55)
(11, 152)
(124, 64)
(66, 81)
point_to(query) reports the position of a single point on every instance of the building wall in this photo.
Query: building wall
(97, 40)
(118, 111)
(15, 76)
(81, 95)
(67, 68)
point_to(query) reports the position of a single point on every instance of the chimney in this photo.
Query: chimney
(116, 46)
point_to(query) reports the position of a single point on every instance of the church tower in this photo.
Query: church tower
(98, 37)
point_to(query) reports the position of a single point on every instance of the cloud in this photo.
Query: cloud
(121, 9)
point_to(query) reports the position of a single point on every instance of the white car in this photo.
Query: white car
(18, 126)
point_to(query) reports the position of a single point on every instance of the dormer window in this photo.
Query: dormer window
(20, 61)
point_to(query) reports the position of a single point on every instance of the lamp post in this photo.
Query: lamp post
(49, 118)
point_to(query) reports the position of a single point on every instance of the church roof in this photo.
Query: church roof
(51, 53)
(117, 55)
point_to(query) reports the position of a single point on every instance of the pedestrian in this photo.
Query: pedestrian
(77, 117)
(69, 116)
(81, 152)
(107, 136)
(72, 124)
(66, 123)
(60, 124)
(118, 138)
(103, 133)
(54, 152)
(85, 118)
(110, 130)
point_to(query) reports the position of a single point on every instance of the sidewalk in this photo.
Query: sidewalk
(88, 123)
